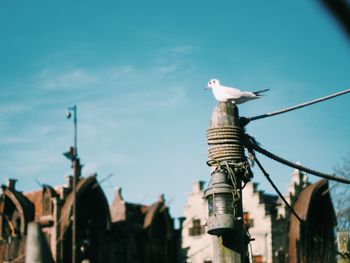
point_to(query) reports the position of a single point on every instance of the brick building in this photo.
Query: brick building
(122, 232)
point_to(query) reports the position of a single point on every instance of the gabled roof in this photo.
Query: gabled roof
(35, 197)
(155, 208)
(83, 185)
(22, 204)
(314, 206)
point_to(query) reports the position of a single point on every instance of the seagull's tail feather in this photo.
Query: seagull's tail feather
(258, 93)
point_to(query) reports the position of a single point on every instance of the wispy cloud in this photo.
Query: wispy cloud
(10, 140)
(75, 78)
(112, 77)
(178, 50)
(12, 108)
(168, 97)
(111, 100)
(152, 84)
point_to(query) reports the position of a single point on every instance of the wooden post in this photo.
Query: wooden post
(343, 245)
(55, 234)
(37, 249)
(229, 248)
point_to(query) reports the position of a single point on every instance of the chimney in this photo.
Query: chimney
(11, 183)
(162, 198)
(181, 222)
(118, 194)
(198, 186)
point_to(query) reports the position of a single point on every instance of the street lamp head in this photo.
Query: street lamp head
(68, 114)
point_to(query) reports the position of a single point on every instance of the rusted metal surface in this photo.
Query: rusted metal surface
(315, 208)
(35, 197)
(93, 222)
(82, 186)
(13, 251)
(41, 200)
(153, 211)
(25, 209)
(146, 234)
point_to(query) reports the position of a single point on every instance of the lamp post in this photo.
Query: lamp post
(73, 156)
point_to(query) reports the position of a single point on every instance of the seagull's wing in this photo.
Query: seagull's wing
(232, 92)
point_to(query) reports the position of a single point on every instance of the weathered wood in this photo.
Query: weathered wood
(224, 114)
(343, 246)
(37, 249)
(229, 248)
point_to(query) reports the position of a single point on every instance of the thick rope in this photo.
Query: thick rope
(225, 148)
(236, 195)
(302, 222)
(254, 146)
(225, 143)
(299, 106)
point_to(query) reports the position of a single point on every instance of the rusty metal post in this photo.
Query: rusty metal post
(76, 174)
(230, 247)
(74, 212)
(76, 167)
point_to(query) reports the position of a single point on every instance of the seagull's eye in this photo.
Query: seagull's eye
(214, 81)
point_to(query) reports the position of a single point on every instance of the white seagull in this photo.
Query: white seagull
(222, 93)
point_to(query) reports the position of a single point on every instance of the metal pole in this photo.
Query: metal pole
(75, 130)
(76, 172)
(76, 164)
(74, 213)
(229, 247)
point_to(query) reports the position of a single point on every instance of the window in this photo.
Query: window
(249, 222)
(197, 229)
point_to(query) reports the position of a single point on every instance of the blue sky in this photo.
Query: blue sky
(137, 71)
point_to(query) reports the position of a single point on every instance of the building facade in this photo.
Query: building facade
(196, 243)
(265, 217)
(120, 232)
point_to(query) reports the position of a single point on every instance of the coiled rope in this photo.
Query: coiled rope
(251, 144)
(225, 148)
(225, 143)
